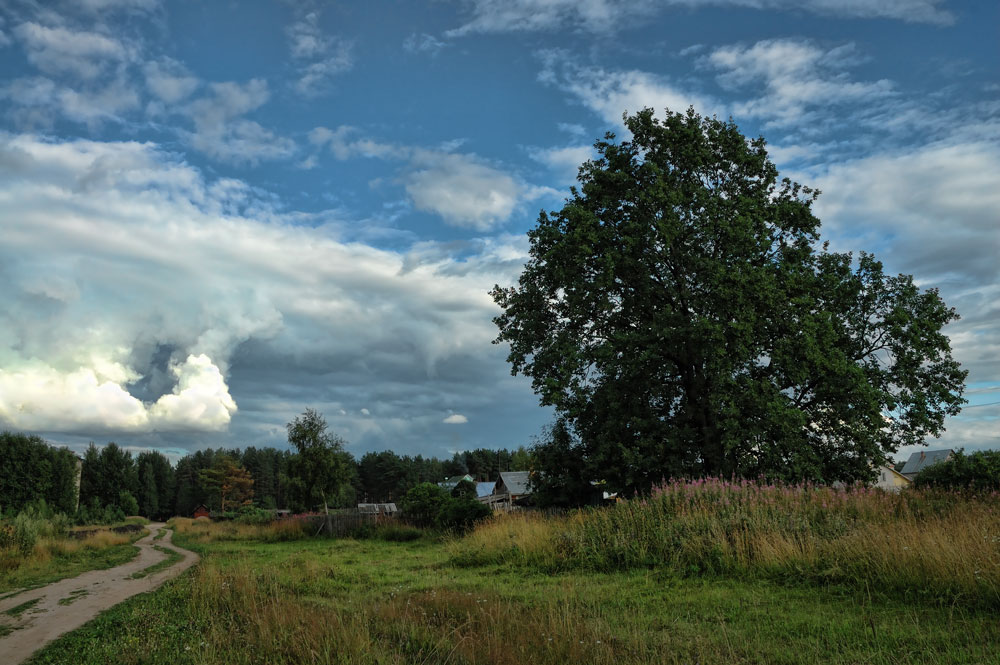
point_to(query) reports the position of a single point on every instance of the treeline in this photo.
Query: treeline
(113, 483)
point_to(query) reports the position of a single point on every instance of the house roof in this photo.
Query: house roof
(484, 489)
(923, 459)
(451, 483)
(516, 482)
(375, 508)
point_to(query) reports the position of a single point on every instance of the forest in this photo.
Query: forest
(114, 483)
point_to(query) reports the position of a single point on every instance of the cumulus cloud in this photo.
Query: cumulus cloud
(798, 76)
(455, 419)
(462, 189)
(603, 16)
(319, 56)
(37, 102)
(142, 297)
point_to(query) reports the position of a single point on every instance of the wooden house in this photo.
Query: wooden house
(202, 511)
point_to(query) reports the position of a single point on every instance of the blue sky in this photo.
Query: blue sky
(215, 215)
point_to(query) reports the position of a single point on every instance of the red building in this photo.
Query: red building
(201, 511)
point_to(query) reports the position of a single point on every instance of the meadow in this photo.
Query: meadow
(706, 572)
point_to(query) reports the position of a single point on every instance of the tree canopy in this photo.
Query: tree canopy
(321, 467)
(680, 313)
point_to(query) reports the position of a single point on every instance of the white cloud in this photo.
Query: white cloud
(798, 76)
(123, 254)
(462, 189)
(610, 93)
(320, 56)
(603, 16)
(62, 51)
(38, 101)
(169, 80)
(423, 43)
(221, 132)
(455, 419)
(564, 162)
(366, 412)
(930, 211)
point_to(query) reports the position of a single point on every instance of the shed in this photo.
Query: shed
(202, 511)
(377, 508)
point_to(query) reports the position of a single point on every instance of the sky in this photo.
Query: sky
(214, 215)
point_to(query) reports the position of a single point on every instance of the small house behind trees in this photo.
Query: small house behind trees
(923, 459)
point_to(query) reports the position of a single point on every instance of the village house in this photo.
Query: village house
(377, 508)
(510, 490)
(920, 461)
(891, 480)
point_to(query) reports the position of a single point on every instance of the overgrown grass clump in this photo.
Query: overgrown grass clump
(36, 548)
(943, 545)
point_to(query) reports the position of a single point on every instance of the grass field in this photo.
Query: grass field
(56, 558)
(372, 601)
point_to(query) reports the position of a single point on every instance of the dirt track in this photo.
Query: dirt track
(83, 598)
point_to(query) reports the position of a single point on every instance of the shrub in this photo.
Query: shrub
(26, 532)
(423, 503)
(977, 472)
(256, 516)
(398, 533)
(461, 514)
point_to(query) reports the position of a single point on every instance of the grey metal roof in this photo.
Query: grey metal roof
(376, 508)
(923, 459)
(516, 482)
(484, 489)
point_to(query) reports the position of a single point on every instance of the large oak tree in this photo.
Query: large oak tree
(681, 314)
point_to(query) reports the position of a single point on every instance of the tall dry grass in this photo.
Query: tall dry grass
(204, 531)
(926, 543)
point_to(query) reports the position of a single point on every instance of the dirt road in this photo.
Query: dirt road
(68, 604)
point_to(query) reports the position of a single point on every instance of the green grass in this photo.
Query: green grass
(18, 610)
(35, 573)
(160, 534)
(173, 556)
(371, 601)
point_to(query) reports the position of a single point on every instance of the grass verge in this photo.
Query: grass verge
(173, 556)
(55, 559)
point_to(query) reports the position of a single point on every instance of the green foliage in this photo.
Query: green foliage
(321, 467)
(32, 470)
(682, 317)
(978, 472)
(561, 477)
(423, 503)
(461, 514)
(127, 503)
(255, 516)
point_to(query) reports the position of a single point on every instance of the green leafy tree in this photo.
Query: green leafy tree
(423, 503)
(681, 315)
(562, 477)
(321, 467)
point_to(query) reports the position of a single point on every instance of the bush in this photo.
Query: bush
(423, 503)
(397, 533)
(255, 516)
(462, 514)
(978, 472)
(26, 532)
